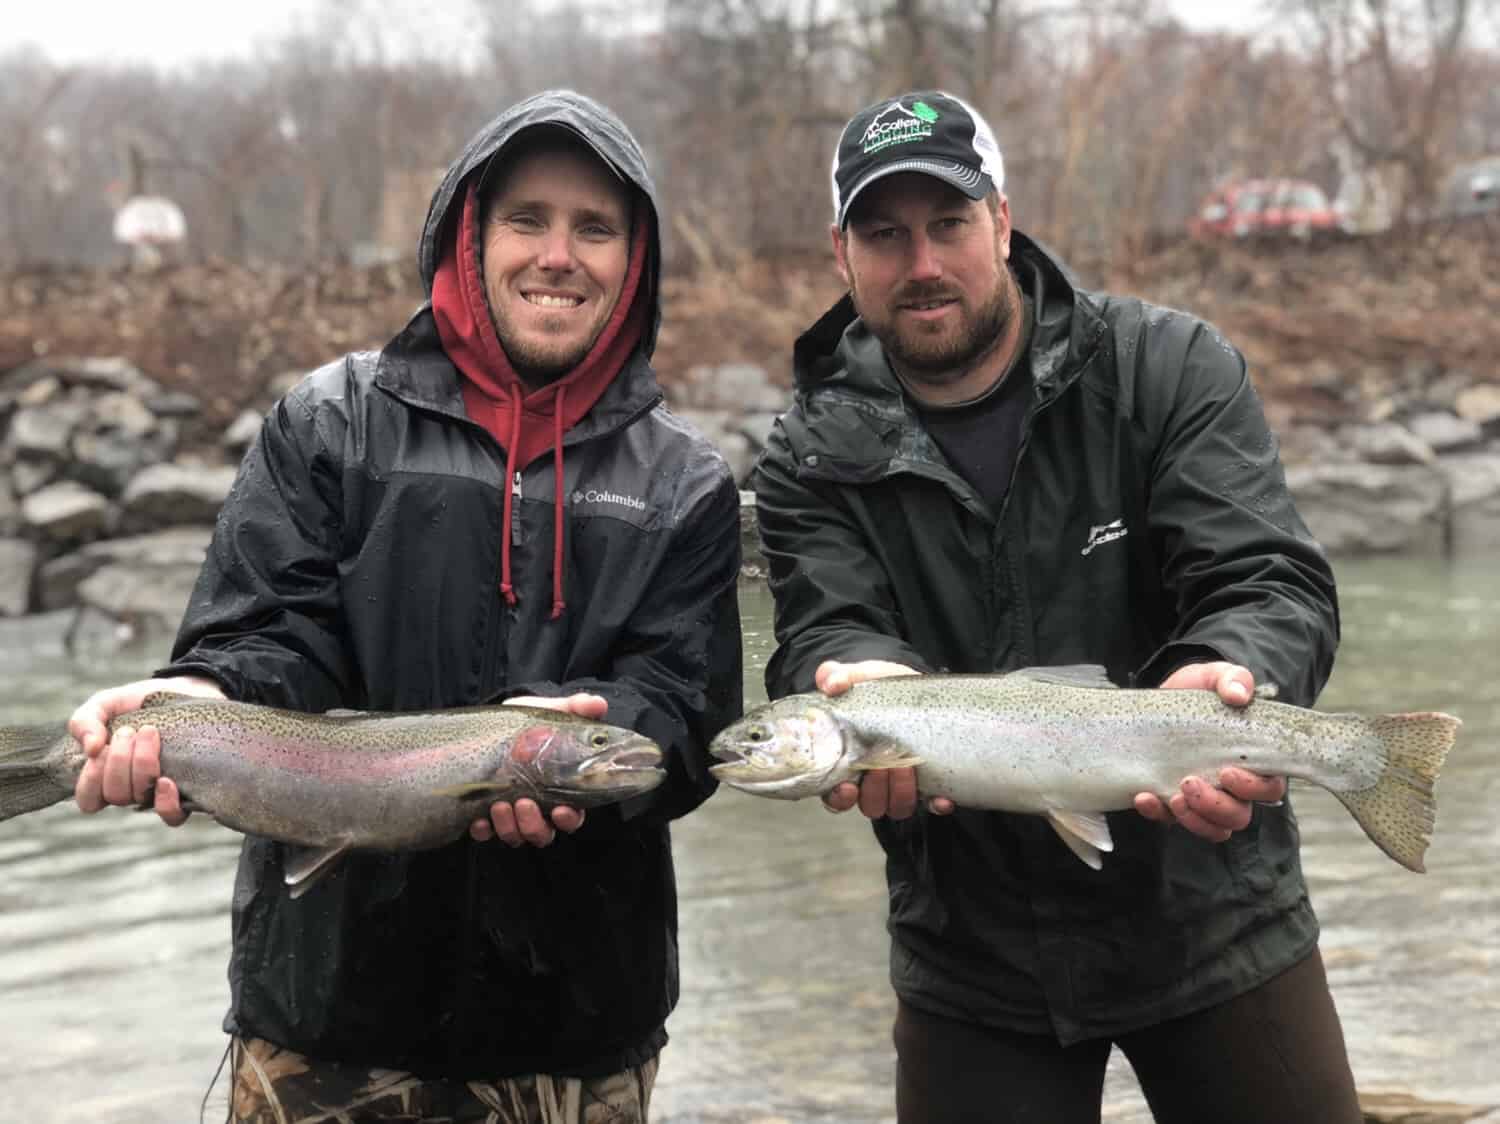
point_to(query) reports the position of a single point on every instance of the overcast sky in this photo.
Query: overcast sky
(177, 32)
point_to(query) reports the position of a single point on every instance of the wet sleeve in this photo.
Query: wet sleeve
(833, 597)
(263, 618)
(677, 673)
(1248, 580)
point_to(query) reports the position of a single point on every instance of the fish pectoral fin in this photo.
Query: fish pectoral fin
(1085, 833)
(1070, 675)
(474, 788)
(886, 755)
(307, 867)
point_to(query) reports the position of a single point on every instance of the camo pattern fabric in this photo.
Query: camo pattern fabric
(272, 1085)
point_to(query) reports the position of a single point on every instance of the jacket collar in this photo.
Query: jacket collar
(414, 369)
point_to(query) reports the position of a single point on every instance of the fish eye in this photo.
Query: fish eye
(599, 740)
(756, 733)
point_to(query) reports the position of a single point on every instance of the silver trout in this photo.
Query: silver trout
(1066, 743)
(348, 780)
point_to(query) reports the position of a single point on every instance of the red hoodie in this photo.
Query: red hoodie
(526, 422)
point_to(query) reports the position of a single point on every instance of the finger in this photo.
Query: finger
(480, 831)
(87, 792)
(585, 705)
(116, 788)
(1253, 786)
(169, 803)
(1235, 685)
(941, 806)
(1215, 805)
(87, 725)
(1193, 822)
(503, 818)
(566, 819)
(533, 824)
(832, 677)
(1150, 805)
(901, 800)
(841, 797)
(874, 793)
(145, 765)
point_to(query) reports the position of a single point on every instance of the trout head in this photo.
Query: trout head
(582, 764)
(788, 749)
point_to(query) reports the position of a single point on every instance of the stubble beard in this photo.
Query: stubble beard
(541, 364)
(943, 360)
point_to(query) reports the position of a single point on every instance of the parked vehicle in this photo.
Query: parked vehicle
(1267, 208)
(1472, 189)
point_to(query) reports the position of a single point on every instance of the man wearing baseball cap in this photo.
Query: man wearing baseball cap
(989, 468)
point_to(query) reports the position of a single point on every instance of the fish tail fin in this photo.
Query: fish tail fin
(1398, 811)
(32, 771)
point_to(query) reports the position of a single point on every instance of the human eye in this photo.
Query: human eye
(526, 222)
(598, 231)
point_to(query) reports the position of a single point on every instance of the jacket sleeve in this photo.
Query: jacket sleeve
(1248, 581)
(677, 671)
(263, 616)
(833, 596)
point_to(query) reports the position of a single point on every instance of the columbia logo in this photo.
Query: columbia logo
(593, 496)
(1101, 533)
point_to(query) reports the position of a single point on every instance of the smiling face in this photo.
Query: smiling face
(556, 245)
(926, 266)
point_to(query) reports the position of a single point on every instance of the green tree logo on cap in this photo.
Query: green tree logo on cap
(925, 112)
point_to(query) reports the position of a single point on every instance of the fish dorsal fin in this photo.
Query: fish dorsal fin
(304, 869)
(1267, 691)
(168, 698)
(344, 712)
(1085, 833)
(1069, 675)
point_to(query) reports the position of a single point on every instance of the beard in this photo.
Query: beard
(941, 358)
(542, 362)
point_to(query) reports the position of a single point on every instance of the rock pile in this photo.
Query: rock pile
(103, 515)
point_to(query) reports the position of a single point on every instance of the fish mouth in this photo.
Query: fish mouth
(644, 757)
(627, 765)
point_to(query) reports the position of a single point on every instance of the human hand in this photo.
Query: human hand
(125, 769)
(524, 821)
(1214, 813)
(880, 792)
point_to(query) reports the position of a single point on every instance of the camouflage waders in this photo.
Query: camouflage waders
(271, 1085)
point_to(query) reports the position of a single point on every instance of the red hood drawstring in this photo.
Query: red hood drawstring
(494, 394)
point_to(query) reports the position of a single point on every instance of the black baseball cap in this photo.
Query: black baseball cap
(928, 131)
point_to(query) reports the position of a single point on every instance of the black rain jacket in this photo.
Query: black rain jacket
(1147, 525)
(356, 564)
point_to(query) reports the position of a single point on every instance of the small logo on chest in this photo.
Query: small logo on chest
(594, 495)
(1101, 533)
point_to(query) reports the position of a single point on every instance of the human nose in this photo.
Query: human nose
(925, 265)
(556, 251)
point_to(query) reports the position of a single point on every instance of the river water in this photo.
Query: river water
(114, 930)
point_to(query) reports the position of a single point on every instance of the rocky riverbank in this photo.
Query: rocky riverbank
(105, 511)
(127, 399)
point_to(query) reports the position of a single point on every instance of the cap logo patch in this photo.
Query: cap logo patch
(898, 125)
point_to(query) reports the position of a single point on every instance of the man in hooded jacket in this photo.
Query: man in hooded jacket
(494, 507)
(989, 468)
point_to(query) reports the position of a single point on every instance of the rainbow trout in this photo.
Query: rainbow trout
(1066, 743)
(347, 780)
